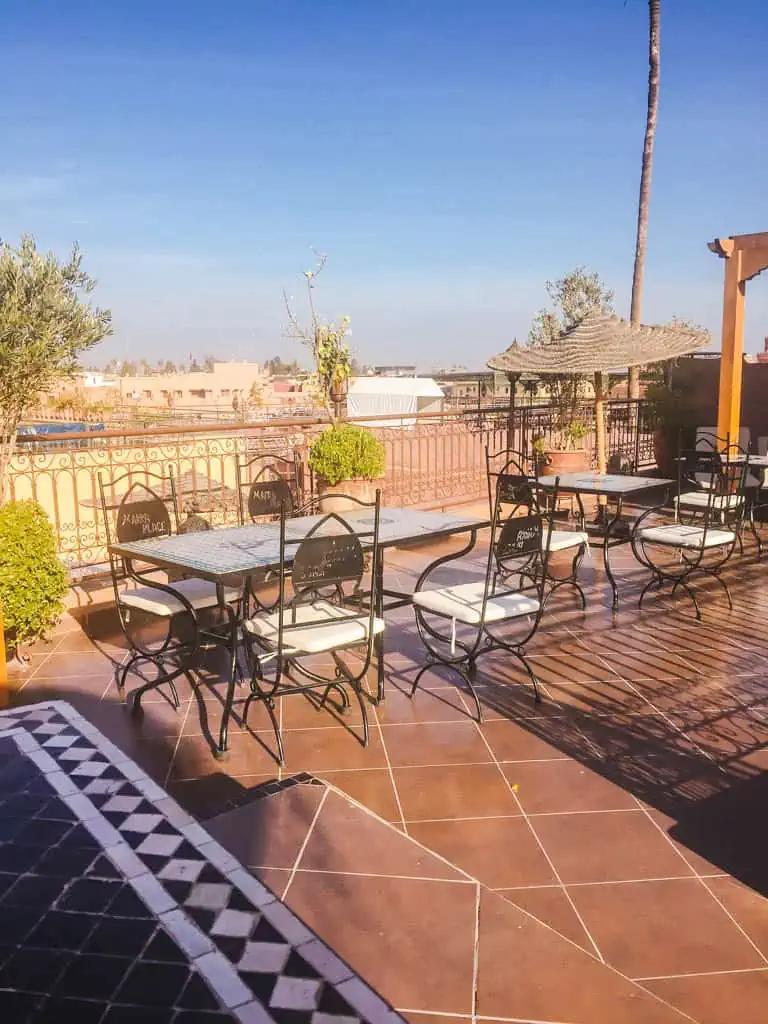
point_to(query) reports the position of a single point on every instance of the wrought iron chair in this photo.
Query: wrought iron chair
(519, 544)
(517, 492)
(677, 552)
(329, 613)
(740, 498)
(270, 481)
(144, 512)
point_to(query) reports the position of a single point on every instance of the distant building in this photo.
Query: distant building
(762, 357)
(394, 371)
(195, 389)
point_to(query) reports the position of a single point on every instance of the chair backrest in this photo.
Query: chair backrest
(520, 544)
(505, 461)
(327, 559)
(271, 482)
(723, 475)
(137, 506)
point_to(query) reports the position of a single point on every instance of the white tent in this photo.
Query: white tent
(401, 396)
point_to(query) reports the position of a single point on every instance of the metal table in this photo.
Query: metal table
(615, 487)
(232, 553)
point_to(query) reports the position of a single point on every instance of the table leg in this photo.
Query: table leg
(606, 548)
(378, 643)
(232, 681)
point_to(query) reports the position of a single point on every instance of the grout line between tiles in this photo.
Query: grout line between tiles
(176, 744)
(702, 974)
(303, 846)
(554, 870)
(389, 769)
(476, 953)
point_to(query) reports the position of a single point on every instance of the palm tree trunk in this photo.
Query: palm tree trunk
(654, 10)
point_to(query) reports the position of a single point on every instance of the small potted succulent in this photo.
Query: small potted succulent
(346, 460)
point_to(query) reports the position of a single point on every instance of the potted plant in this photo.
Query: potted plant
(563, 449)
(346, 460)
(32, 579)
(328, 344)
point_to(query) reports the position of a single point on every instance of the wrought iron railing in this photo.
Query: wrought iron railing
(431, 459)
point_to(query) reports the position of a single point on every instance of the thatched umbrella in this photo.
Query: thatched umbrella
(598, 344)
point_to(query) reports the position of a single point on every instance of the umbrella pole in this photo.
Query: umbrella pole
(513, 379)
(600, 438)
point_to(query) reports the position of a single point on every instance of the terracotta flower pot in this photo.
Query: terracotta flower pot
(555, 463)
(664, 454)
(336, 497)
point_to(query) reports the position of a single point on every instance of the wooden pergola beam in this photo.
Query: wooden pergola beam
(745, 257)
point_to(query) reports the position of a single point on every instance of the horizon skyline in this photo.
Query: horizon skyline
(445, 167)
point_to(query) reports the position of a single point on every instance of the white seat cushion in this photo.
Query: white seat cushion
(562, 540)
(679, 536)
(465, 603)
(201, 594)
(314, 628)
(701, 499)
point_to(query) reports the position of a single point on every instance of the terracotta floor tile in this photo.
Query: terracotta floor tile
(247, 755)
(453, 791)
(346, 838)
(644, 664)
(499, 852)
(748, 907)
(530, 740)
(649, 929)
(435, 743)
(599, 697)
(299, 713)
(551, 905)
(518, 979)
(546, 787)
(412, 940)
(319, 750)
(569, 668)
(269, 832)
(426, 706)
(73, 665)
(607, 846)
(739, 998)
(373, 788)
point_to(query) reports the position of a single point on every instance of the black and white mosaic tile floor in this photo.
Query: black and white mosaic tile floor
(117, 906)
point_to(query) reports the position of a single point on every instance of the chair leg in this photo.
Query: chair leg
(724, 585)
(460, 671)
(269, 704)
(653, 581)
(691, 594)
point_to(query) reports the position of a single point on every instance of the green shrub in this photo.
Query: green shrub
(32, 579)
(347, 452)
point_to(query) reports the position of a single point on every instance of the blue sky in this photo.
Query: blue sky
(449, 157)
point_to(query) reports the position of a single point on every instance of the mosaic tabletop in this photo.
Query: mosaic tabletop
(117, 906)
(235, 550)
(617, 484)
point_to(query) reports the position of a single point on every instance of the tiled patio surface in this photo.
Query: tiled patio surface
(627, 811)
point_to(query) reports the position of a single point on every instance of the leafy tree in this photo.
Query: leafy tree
(277, 368)
(208, 364)
(45, 325)
(573, 296)
(128, 369)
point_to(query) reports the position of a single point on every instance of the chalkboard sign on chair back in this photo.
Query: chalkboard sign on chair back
(266, 484)
(137, 508)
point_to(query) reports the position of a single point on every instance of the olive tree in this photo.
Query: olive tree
(46, 323)
(573, 296)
